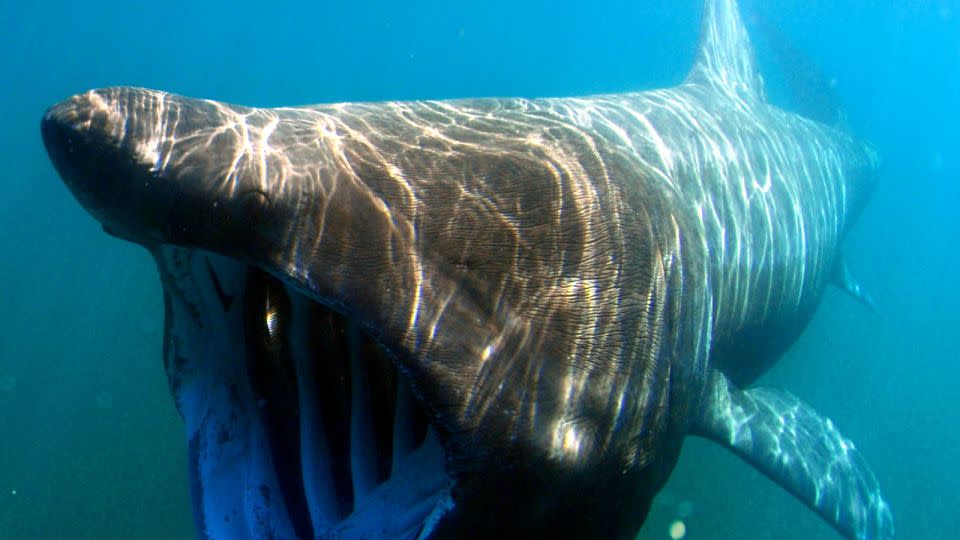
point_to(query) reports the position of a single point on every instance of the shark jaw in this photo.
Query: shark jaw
(299, 424)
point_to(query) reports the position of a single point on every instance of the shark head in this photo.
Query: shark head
(359, 353)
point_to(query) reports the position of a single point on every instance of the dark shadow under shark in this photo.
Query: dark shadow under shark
(481, 318)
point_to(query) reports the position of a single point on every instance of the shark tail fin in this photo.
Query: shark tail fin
(800, 450)
(725, 60)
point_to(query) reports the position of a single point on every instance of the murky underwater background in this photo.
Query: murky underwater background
(90, 444)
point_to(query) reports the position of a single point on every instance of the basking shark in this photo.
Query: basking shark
(482, 318)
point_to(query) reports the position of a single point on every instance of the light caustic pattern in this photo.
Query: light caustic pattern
(769, 190)
(551, 274)
(761, 195)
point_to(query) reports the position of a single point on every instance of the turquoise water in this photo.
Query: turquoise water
(90, 445)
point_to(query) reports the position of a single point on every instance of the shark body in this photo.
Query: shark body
(480, 318)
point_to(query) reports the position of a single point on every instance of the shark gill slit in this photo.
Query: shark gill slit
(273, 381)
(339, 416)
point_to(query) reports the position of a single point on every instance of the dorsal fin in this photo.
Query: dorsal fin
(725, 60)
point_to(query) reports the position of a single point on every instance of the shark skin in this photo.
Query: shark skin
(399, 319)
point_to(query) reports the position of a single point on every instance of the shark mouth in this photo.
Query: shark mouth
(300, 425)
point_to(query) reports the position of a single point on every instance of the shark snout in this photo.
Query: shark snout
(132, 158)
(97, 114)
(94, 141)
(84, 136)
(99, 125)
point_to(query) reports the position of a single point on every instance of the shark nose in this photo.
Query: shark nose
(64, 138)
(83, 136)
(94, 116)
(111, 125)
(62, 114)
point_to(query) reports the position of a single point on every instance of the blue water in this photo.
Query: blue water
(90, 445)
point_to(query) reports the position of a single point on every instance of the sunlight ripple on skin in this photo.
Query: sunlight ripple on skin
(552, 293)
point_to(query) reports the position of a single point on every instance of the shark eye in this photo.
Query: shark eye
(247, 215)
(253, 201)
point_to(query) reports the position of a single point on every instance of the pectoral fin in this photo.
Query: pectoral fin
(843, 278)
(803, 452)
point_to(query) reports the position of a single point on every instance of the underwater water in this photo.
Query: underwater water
(90, 443)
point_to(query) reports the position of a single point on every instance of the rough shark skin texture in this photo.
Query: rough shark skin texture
(567, 287)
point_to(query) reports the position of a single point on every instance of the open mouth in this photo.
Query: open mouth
(300, 425)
